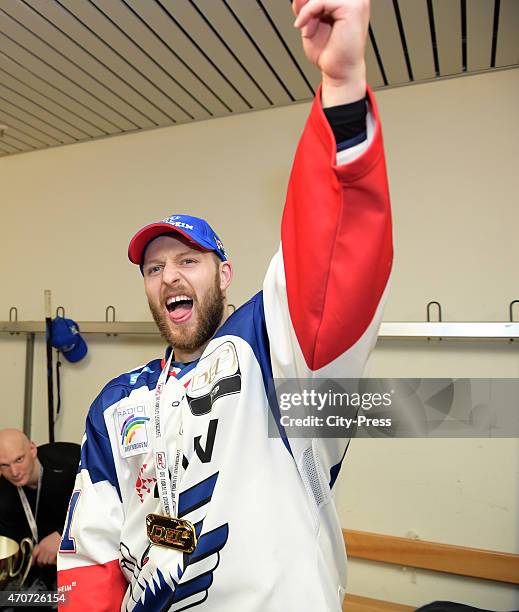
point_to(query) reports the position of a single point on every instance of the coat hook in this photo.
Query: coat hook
(112, 310)
(511, 310)
(60, 312)
(429, 313)
(232, 308)
(13, 318)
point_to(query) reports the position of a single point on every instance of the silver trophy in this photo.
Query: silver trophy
(15, 559)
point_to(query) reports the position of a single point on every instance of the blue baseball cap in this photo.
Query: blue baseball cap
(66, 338)
(196, 230)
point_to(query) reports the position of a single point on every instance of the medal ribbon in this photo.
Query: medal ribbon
(27, 507)
(167, 489)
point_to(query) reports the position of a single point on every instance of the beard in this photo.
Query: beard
(210, 314)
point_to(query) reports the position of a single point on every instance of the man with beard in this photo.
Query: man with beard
(173, 266)
(183, 499)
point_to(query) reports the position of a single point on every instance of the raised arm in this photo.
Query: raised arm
(325, 288)
(334, 39)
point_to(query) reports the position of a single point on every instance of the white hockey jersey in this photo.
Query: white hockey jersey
(269, 539)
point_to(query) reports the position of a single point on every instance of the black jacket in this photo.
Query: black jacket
(60, 462)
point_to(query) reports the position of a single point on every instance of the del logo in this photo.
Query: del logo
(131, 425)
(217, 375)
(161, 461)
(220, 363)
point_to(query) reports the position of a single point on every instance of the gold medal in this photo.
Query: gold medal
(171, 532)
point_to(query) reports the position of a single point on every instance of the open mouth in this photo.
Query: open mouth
(180, 308)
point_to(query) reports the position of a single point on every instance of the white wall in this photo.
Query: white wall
(68, 213)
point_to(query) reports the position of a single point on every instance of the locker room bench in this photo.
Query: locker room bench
(405, 552)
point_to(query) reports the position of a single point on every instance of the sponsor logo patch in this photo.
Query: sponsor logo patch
(131, 423)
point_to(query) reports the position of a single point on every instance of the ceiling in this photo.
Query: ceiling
(77, 70)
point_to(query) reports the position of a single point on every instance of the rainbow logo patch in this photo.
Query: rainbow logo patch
(131, 424)
(130, 427)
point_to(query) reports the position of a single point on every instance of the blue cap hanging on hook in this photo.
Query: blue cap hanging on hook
(67, 339)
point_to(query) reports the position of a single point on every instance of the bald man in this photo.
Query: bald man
(35, 488)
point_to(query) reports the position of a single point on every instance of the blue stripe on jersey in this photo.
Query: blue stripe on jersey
(335, 469)
(147, 375)
(200, 584)
(183, 368)
(156, 597)
(334, 472)
(96, 455)
(209, 543)
(197, 496)
(351, 142)
(248, 322)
